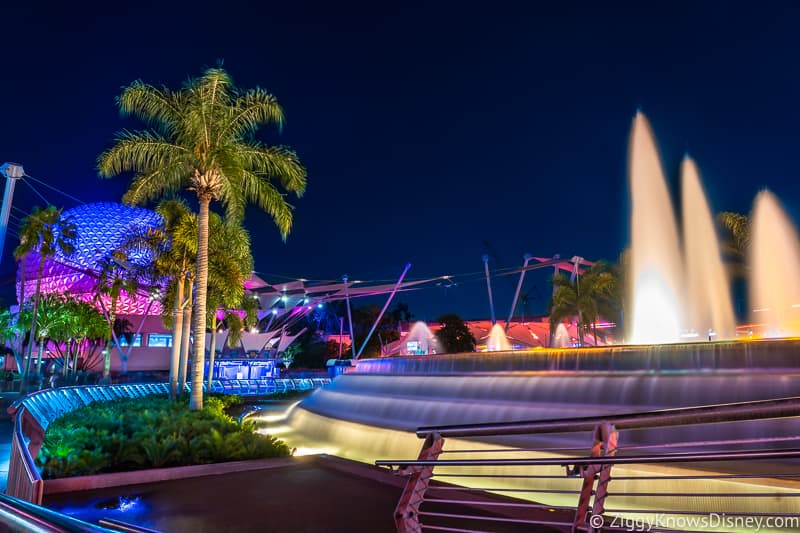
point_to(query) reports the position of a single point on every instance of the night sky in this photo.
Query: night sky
(429, 132)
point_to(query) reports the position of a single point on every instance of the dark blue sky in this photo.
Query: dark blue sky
(429, 130)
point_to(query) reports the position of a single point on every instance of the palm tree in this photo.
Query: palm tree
(115, 276)
(593, 292)
(172, 250)
(230, 265)
(10, 332)
(46, 232)
(202, 139)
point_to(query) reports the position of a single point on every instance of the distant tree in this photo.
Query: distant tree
(115, 277)
(454, 335)
(46, 232)
(386, 331)
(735, 242)
(593, 291)
(738, 227)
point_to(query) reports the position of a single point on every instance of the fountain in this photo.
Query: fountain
(421, 341)
(708, 298)
(775, 268)
(561, 337)
(372, 413)
(655, 254)
(497, 341)
(663, 283)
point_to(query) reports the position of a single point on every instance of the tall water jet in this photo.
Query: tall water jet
(497, 340)
(421, 341)
(655, 254)
(707, 296)
(774, 259)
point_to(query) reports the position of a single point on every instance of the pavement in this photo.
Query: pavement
(314, 495)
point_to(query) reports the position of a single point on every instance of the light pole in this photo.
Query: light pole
(12, 172)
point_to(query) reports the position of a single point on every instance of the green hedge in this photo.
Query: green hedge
(150, 432)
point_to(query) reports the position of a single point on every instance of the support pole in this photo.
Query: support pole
(555, 269)
(341, 334)
(526, 258)
(12, 172)
(385, 306)
(349, 316)
(489, 287)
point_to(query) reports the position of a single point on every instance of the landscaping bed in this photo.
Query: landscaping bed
(150, 432)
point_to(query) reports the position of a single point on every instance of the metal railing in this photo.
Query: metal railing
(525, 474)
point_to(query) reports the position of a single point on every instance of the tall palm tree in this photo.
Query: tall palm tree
(591, 294)
(202, 139)
(46, 232)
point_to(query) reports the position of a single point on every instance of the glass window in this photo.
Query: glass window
(159, 340)
(136, 340)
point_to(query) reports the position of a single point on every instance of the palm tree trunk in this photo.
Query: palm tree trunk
(107, 359)
(212, 348)
(42, 342)
(177, 329)
(201, 280)
(20, 356)
(67, 357)
(187, 325)
(35, 313)
(75, 362)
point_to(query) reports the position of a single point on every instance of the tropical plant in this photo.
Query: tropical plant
(202, 139)
(454, 335)
(115, 276)
(132, 434)
(10, 332)
(46, 232)
(592, 293)
(229, 267)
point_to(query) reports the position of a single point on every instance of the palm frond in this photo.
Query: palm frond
(276, 162)
(154, 184)
(160, 108)
(251, 110)
(270, 200)
(141, 151)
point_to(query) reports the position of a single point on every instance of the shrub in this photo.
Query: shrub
(150, 432)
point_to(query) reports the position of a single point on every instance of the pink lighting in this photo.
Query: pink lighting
(102, 227)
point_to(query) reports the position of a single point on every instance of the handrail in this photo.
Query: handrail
(31, 517)
(707, 414)
(792, 453)
(593, 471)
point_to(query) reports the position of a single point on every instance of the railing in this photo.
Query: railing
(733, 475)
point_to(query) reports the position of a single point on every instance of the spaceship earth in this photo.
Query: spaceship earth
(101, 228)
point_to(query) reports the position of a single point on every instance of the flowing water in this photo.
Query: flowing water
(420, 341)
(775, 269)
(655, 254)
(497, 340)
(708, 299)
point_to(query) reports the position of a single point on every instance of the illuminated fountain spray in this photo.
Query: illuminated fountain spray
(673, 299)
(775, 269)
(655, 255)
(421, 341)
(708, 299)
(561, 337)
(497, 341)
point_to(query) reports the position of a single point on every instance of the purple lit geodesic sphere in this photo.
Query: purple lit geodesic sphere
(101, 228)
